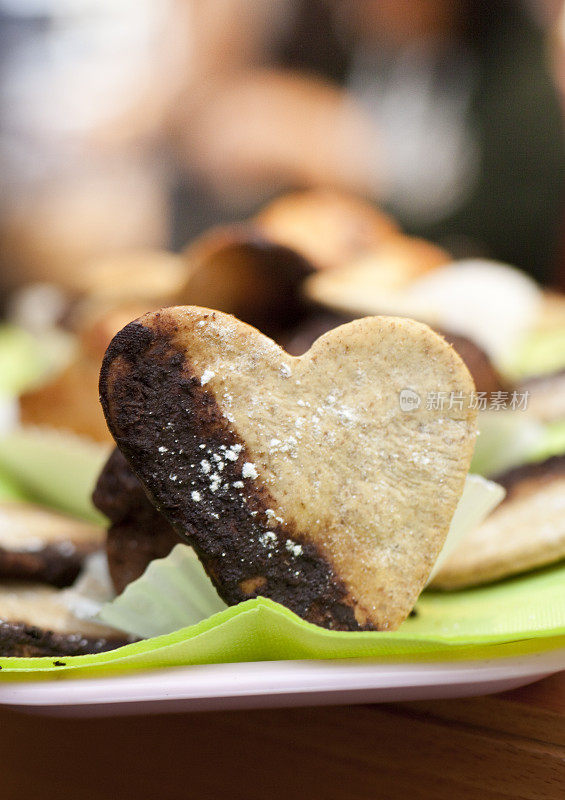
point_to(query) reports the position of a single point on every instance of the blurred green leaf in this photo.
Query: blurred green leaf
(55, 468)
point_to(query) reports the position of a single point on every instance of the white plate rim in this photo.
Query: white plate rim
(277, 683)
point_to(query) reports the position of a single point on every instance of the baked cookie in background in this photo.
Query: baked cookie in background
(495, 305)
(328, 227)
(525, 532)
(35, 620)
(237, 270)
(138, 533)
(39, 544)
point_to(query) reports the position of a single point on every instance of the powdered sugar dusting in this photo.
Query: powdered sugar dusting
(207, 376)
(215, 482)
(272, 517)
(249, 470)
(232, 453)
(268, 539)
(293, 547)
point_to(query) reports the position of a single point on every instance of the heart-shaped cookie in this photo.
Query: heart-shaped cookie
(300, 479)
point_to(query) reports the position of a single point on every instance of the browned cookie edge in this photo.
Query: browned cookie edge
(24, 641)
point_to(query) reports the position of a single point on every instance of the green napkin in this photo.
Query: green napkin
(516, 617)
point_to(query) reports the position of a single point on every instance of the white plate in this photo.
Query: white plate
(271, 684)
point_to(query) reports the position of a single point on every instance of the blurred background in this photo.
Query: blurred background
(137, 123)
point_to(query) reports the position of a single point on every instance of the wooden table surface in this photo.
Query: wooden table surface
(510, 746)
